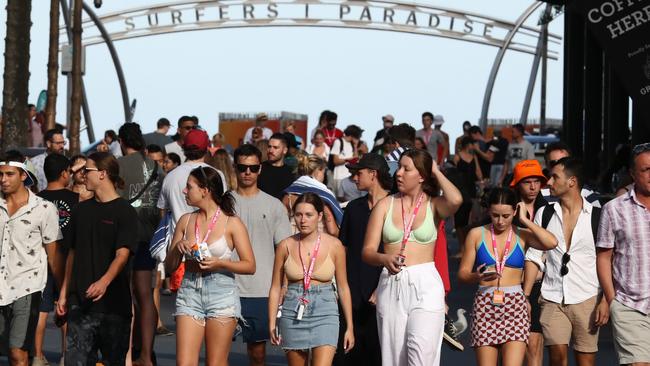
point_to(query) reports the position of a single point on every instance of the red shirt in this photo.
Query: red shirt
(331, 135)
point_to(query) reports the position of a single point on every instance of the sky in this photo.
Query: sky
(360, 74)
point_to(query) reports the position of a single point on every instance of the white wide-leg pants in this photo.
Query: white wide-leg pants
(411, 316)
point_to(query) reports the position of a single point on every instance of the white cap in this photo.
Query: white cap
(438, 120)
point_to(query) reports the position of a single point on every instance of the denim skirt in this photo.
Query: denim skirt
(208, 295)
(319, 325)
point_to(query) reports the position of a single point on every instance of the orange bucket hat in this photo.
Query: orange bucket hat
(526, 169)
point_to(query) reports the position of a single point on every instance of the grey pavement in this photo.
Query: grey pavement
(460, 296)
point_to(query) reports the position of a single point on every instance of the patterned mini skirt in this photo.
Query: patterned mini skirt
(493, 325)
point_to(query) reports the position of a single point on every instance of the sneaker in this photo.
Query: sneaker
(451, 335)
(163, 331)
(40, 361)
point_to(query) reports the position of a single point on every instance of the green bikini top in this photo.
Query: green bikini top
(425, 234)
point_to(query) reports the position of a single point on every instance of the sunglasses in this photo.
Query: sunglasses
(86, 169)
(566, 258)
(243, 167)
(189, 128)
(641, 148)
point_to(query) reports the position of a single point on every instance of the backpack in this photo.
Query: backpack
(330, 159)
(595, 218)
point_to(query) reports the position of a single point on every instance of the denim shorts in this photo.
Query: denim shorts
(319, 325)
(208, 295)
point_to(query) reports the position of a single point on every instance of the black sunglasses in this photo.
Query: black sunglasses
(243, 167)
(189, 128)
(566, 258)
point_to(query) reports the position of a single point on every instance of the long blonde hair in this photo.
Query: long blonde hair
(221, 161)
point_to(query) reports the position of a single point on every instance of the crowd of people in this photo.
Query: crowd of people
(335, 251)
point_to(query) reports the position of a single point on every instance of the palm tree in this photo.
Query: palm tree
(75, 102)
(52, 65)
(16, 74)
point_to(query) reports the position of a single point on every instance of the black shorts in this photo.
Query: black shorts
(461, 217)
(50, 294)
(143, 260)
(255, 311)
(535, 307)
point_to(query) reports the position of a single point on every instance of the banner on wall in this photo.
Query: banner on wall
(233, 126)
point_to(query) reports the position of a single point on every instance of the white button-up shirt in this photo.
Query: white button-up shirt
(23, 260)
(581, 283)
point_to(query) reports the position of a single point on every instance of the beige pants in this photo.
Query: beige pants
(573, 323)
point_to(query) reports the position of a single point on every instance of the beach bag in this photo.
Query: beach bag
(161, 239)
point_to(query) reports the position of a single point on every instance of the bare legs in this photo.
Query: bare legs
(321, 356)
(218, 338)
(512, 354)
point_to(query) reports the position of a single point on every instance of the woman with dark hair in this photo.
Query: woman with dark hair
(318, 145)
(208, 304)
(172, 160)
(420, 144)
(311, 174)
(410, 293)
(110, 139)
(500, 316)
(469, 173)
(308, 320)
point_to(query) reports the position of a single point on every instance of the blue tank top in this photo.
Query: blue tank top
(515, 259)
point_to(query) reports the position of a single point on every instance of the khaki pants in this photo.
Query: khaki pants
(574, 323)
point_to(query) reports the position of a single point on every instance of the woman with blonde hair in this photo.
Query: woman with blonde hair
(222, 161)
(311, 173)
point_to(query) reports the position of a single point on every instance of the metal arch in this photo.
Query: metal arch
(497, 62)
(116, 60)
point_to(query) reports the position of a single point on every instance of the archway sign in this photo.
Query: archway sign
(382, 15)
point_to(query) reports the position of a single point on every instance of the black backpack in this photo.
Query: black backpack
(595, 218)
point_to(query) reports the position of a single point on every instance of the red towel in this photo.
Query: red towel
(440, 256)
(176, 278)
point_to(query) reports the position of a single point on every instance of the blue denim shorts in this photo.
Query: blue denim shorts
(319, 325)
(208, 295)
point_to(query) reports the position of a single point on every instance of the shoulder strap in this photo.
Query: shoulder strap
(187, 223)
(595, 221)
(547, 214)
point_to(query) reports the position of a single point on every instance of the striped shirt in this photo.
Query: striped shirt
(625, 227)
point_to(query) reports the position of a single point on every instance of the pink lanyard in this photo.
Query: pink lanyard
(500, 264)
(210, 227)
(409, 226)
(306, 279)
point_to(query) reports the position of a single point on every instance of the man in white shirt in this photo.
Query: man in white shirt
(344, 150)
(185, 125)
(260, 120)
(571, 310)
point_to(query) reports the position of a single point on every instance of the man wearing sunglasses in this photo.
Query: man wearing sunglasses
(267, 223)
(185, 125)
(571, 311)
(623, 257)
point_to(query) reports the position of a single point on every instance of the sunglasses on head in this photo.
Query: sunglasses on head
(243, 167)
(566, 258)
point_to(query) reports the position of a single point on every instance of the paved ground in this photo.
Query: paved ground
(461, 296)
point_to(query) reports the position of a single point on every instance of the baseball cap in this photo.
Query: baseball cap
(196, 139)
(526, 169)
(438, 120)
(27, 167)
(369, 161)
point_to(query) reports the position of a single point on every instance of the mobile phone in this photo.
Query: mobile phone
(487, 270)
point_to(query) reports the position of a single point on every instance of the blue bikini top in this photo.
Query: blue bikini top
(484, 256)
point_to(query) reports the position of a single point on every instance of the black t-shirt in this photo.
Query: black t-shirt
(98, 230)
(500, 156)
(362, 278)
(273, 180)
(64, 200)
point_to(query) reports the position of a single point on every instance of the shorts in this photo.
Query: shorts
(535, 307)
(461, 217)
(493, 325)
(143, 260)
(89, 332)
(574, 323)
(49, 294)
(255, 311)
(631, 330)
(208, 295)
(319, 325)
(18, 323)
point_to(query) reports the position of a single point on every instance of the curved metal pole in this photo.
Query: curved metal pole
(497, 62)
(116, 61)
(84, 100)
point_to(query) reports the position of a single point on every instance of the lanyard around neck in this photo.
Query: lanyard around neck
(213, 221)
(409, 226)
(500, 263)
(307, 273)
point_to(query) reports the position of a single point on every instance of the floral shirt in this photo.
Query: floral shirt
(23, 260)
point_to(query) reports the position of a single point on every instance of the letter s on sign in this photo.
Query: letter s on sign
(129, 23)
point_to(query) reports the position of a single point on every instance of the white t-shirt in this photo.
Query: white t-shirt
(171, 193)
(326, 152)
(174, 147)
(248, 137)
(341, 171)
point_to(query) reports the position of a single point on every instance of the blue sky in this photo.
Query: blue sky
(360, 74)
